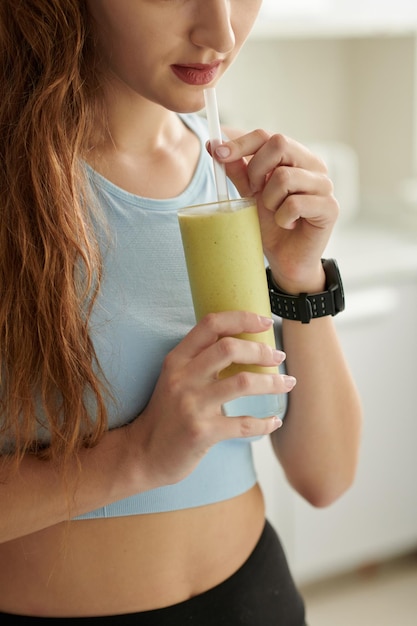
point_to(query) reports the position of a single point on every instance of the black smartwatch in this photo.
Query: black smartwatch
(308, 306)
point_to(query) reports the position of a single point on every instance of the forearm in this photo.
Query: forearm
(37, 496)
(318, 444)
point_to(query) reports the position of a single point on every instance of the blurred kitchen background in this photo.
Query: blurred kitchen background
(341, 76)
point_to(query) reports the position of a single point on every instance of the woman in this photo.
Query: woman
(126, 496)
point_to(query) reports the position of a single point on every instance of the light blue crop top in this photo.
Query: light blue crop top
(144, 309)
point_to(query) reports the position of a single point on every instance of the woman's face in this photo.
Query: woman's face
(167, 51)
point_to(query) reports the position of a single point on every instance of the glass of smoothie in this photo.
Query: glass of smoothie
(226, 269)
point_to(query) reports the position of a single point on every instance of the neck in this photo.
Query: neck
(135, 125)
(143, 147)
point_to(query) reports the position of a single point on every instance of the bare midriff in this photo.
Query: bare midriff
(128, 564)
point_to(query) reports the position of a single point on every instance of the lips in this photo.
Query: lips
(196, 73)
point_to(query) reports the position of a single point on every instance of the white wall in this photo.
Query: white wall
(360, 91)
(294, 87)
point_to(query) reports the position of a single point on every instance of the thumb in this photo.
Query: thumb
(235, 170)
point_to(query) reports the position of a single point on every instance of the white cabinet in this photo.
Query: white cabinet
(377, 518)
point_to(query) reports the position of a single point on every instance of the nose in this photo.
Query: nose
(213, 27)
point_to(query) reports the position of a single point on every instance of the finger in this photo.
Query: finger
(243, 427)
(286, 181)
(274, 150)
(320, 212)
(216, 325)
(238, 174)
(228, 350)
(251, 384)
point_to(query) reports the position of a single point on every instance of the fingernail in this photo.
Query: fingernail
(277, 421)
(222, 152)
(278, 356)
(266, 321)
(289, 382)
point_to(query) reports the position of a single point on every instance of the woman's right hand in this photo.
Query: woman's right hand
(181, 422)
(183, 418)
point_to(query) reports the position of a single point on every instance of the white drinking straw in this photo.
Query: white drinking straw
(215, 140)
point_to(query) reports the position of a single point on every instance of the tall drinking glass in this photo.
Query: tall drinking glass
(225, 263)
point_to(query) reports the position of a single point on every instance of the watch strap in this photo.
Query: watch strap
(304, 307)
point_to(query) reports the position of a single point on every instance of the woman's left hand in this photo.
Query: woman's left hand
(297, 209)
(318, 445)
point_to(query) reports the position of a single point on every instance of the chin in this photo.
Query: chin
(190, 106)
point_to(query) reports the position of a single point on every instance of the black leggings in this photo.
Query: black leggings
(260, 593)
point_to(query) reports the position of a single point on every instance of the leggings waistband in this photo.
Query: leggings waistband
(260, 593)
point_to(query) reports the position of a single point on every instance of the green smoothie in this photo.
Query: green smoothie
(225, 263)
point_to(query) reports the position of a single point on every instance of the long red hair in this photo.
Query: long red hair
(49, 260)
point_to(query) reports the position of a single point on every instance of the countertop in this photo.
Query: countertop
(370, 254)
